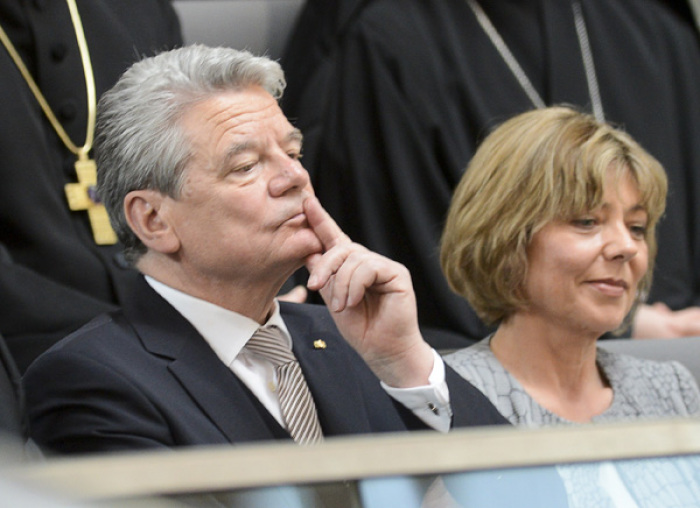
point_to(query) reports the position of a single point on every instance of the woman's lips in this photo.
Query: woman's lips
(610, 287)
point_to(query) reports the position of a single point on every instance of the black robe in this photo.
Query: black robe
(53, 278)
(393, 97)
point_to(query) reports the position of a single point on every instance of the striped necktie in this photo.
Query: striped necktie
(296, 403)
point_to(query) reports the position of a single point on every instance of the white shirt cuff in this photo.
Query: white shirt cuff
(430, 403)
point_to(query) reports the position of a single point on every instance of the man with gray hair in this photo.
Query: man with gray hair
(200, 172)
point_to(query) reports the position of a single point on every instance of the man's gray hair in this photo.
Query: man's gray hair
(139, 142)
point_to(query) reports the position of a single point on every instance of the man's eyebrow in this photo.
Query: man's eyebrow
(238, 148)
(295, 135)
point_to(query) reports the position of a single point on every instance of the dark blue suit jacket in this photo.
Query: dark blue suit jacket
(143, 377)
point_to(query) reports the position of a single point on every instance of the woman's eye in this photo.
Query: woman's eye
(584, 222)
(639, 230)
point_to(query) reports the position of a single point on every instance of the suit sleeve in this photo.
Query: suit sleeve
(79, 405)
(470, 407)
(38, 311)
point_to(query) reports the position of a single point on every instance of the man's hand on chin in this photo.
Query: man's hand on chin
(372, 301)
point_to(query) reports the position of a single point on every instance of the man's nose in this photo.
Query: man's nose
(289, 174)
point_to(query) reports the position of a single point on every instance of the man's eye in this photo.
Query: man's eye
(244, 168)
(295, 155)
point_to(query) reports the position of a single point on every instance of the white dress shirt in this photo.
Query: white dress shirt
(227, 333)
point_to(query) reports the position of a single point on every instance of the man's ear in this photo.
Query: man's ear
(144, 210)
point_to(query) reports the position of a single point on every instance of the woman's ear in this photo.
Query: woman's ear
(144, 210)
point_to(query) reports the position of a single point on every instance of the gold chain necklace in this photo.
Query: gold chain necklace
(81, 195)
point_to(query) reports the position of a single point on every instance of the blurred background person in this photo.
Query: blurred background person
(394, 96)
(551, 237)
(56, 271)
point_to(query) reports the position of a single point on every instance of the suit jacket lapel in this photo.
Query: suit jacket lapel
(222, 396)
(210, 383)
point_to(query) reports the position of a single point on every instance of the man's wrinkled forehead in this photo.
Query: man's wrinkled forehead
(240, 114)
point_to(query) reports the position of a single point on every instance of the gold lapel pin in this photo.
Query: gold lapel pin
(319, 344)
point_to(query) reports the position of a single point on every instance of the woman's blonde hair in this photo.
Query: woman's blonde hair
(537, 167)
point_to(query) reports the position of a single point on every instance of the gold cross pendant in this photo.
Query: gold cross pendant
(82, 196)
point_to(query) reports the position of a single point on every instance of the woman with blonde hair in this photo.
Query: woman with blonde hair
(551, 236)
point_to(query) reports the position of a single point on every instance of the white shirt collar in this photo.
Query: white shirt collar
(224, 330)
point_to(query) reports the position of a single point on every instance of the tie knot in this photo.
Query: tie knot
(271, 343)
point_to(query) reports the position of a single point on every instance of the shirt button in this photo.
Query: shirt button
(58, 52)
(67, 111)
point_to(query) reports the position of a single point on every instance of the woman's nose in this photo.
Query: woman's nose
(620, 243)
